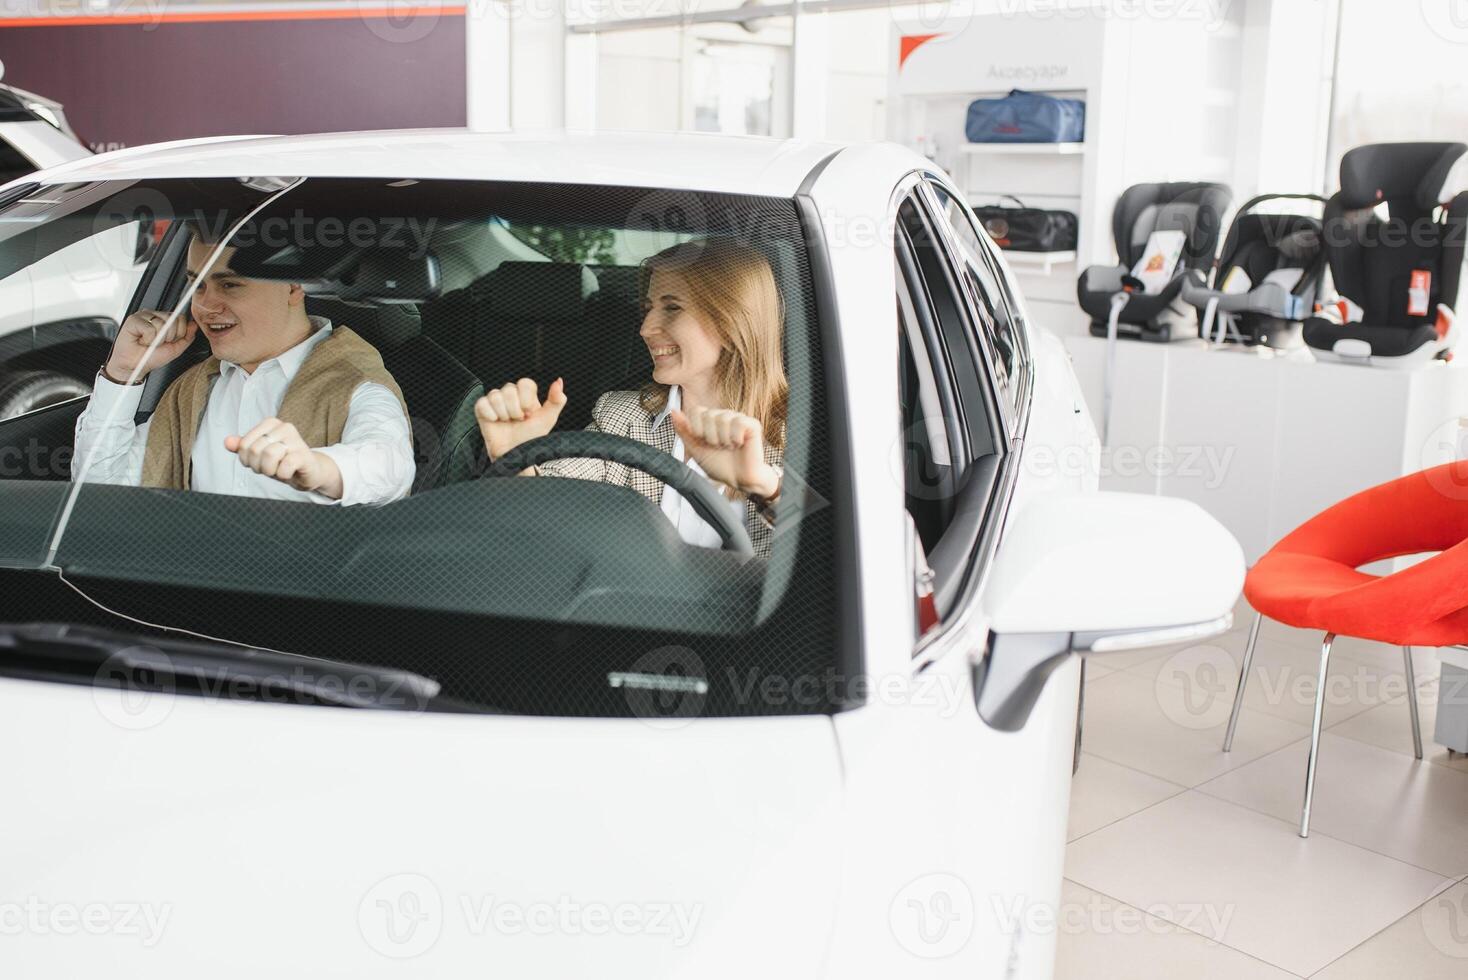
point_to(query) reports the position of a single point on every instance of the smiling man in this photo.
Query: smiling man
(289, 406)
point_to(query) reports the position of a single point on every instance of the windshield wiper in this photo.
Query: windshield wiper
(107, 658)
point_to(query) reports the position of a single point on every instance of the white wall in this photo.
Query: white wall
(1248, 103)
(1284, 96)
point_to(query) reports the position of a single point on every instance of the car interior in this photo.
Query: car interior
(507, 310)
(539, 319)
(460, 547)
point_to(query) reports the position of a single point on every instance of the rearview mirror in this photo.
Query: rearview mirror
(1095, 572)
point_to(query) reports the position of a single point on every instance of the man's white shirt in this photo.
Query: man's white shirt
(375, 454)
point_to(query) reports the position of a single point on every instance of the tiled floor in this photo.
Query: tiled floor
(1185, 862)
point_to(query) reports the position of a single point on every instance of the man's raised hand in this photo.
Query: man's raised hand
(135, 335)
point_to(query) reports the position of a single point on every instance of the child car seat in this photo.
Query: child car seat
(1194, 208)
(1268, 277)
(1401, 270)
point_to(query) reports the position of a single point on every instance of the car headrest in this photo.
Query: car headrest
(384, 327)
(1395, 171)
(535, 290)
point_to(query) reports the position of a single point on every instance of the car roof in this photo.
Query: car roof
(683, 161)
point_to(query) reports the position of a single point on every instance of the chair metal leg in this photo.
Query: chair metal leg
(1412, 701)
(1233, 715)
(1315, 736)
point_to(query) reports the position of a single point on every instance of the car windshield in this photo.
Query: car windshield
(332, 493)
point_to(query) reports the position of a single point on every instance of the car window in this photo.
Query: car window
(933, 455)
(63, 291)
(953, 343)
(996, 315)
(948, 411)
(13, 163)
(555, 595)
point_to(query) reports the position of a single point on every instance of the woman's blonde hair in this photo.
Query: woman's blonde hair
(732, 289)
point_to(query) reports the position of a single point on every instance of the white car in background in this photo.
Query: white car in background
(518, 727)
(66, 308)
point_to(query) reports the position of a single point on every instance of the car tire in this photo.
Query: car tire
(27, 391)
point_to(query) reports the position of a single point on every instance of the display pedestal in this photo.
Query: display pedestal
(1451, 729)
(1262, 440)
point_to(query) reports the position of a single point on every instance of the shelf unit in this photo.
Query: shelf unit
(1044, 261)
(1023, 149)
(1142, 123)
(1040, 175)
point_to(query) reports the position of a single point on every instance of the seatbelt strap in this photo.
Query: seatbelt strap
(1209, 312)
(1118, 303)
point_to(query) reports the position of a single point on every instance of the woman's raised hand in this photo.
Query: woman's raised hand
(514, 413)
(730, 448)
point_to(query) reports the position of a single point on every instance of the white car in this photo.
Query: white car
(518, 727)
(58, 311)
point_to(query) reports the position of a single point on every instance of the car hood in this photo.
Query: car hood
(158, 836)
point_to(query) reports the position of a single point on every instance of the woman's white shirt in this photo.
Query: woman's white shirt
(691, 528)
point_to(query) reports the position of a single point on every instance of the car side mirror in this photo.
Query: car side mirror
(1096, 572)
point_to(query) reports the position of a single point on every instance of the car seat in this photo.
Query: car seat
(1402, 269)
(537, 320)
(1194, 208)
(1280, 259)
(440, 392)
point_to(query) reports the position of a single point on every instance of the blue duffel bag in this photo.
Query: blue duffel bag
(1026, 117)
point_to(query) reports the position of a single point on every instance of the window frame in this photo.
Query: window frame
(983, 380)
(952, 636)
(991, 471)
(1021, 381)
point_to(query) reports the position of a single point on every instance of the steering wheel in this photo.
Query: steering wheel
(698, 490)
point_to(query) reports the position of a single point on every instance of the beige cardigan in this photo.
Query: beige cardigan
(316, 402)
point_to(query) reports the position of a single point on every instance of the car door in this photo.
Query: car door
(977, 815)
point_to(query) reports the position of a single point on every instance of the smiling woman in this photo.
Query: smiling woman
(712, 323)
(654, 318)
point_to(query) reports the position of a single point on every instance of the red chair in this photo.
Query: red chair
(1311, 580)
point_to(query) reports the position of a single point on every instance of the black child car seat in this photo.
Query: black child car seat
(1194, 208)
(1272, 265)
(1400, 267)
